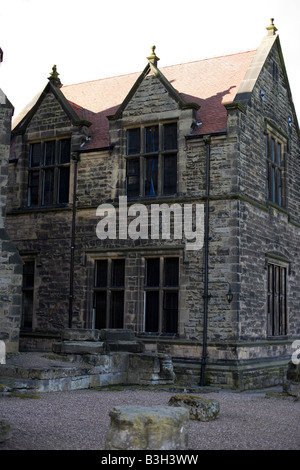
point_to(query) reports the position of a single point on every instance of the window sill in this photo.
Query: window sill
(54, 208)
(156, 336)
(276, 206)
(277, 338)
(150, 199)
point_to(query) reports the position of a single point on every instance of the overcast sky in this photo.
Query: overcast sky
(92, 39)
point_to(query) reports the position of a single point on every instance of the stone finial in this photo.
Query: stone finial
(153, 57)
(54, 76)
(272, 28)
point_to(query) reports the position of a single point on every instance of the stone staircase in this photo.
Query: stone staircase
(88, 359)
(81, 342)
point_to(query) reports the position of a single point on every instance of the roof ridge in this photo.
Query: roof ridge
(209, 58)
(101, 79)
(161, 68)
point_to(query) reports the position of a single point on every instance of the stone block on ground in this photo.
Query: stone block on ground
(5, 431)
(201, 409)
(148, 428)
(292, 385)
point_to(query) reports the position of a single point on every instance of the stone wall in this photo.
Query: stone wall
(244, 229)
(11, 265)
(268, 231)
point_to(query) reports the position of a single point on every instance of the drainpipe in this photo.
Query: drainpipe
(206, 296)
(75, 157)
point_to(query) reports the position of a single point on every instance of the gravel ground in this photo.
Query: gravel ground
(79, 420)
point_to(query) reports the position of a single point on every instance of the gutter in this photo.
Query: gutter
(206, 296)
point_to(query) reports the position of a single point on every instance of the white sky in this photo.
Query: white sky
(92, 39)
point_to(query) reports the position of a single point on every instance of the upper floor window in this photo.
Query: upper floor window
(49, 173)
(151, 164)
(275, 170)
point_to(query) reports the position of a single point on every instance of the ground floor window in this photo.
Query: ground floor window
(147, 287)
(27, 295)
(109, 288)
(161, 295)
(277, 300)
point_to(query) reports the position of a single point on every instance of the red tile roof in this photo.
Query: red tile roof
(211, 83)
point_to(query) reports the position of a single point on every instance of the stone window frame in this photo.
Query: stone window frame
(134, 301)
(161, 289)
(144, 156)
(108, 291)
(56, 167)
(276, 185)
(28, 291)
(277, 296)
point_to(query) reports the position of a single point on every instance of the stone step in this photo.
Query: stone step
(117, 334)
(80, 334)
(125, 346)
(59, 382)
(107, 334)
(42, 373)
(79, 347)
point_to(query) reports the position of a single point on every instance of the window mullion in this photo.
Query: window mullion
(56, 172)
(41, 175)
(161, 293)
(142, 162)
(109, 296)
(55, 185)
(159, 163)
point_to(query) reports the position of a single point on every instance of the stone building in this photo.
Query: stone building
(166, 202)
(11, 264)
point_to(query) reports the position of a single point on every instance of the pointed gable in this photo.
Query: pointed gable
(150, 95)
(263, 57)
(151, 91)
(205, 85)
(51, 108)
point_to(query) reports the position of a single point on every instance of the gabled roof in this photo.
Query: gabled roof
(209, 83)
(208, 86)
